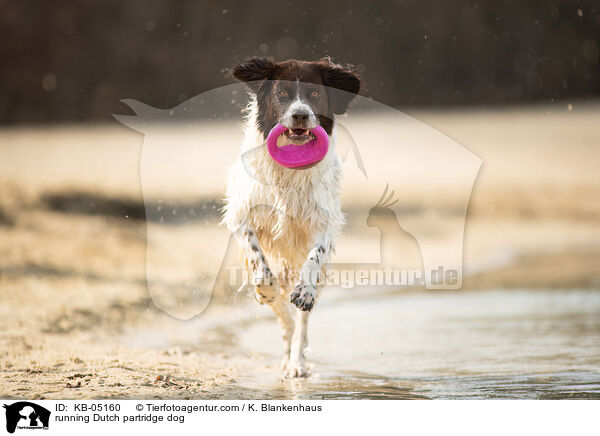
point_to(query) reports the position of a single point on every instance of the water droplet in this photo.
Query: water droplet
(49, 82)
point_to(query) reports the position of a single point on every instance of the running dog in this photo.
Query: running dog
(286, 220)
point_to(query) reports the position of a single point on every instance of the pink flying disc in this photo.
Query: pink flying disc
(297, 156)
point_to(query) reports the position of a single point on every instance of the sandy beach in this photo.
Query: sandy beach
(77, 319)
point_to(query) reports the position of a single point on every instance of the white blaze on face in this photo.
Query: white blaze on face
(299, 106)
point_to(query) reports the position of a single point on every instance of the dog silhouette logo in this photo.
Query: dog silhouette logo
(187, 153)
(26, 415)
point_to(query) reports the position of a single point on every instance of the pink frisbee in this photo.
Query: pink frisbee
(298, 156)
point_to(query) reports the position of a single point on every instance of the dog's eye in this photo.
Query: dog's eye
(315, 93)
(283, 93)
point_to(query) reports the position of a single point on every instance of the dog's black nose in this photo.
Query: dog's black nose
(300, 117)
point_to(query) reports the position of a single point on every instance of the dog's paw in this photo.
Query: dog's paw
(266, 286)
(266, 294)
(304, 296)
(296, 370)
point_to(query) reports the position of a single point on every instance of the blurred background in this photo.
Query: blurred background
(73, 60)
(517, 83)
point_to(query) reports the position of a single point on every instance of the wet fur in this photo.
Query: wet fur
(286, 220)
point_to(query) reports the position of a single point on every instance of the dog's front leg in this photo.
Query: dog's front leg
(305, 292)
(265, 283)
(266, 286)
(304, 296)
(296, 367)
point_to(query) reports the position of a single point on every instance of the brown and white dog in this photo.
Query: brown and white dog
(286, 220)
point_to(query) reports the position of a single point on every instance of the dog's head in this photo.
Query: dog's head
(297, 94)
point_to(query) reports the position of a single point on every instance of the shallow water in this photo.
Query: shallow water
(530, 344)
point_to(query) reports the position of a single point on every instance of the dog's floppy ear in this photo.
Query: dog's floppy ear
(253, 71)
(339, 77)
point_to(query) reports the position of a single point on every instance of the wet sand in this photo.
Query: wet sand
(77, 320)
